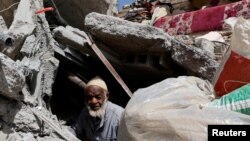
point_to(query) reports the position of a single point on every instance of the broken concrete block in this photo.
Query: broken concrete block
(77, 31)
(22, 26)
(125, 36)
(31, 69)
(195, 60)
(41, 76)
(28, 98)
(28, 45)
(25, 121)
(30, 64)
(13, 136)
(74, 38)
(61, 32)
(11, 78)
(27, 136)
(49, 67)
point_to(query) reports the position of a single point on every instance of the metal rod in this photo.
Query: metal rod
(108, 65)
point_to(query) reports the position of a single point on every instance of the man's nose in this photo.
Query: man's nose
(93, 101)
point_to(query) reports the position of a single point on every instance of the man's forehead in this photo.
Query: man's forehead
(94, 90)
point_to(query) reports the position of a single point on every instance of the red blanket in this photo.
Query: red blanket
(234, 74)
(208, 19)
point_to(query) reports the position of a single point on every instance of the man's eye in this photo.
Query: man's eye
(88, 97)
(98, 97)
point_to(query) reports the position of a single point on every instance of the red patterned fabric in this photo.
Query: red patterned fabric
(203, 20)
(208, 19)
(234, 74)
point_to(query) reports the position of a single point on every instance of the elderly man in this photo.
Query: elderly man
(99, 120)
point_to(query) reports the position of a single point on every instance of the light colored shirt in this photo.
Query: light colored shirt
(99, 129)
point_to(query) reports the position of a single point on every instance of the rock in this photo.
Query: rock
(72, 37)
(49, 67)
(28, 46)
(22, 26)
(125, 36)
(10, 136)
(25, 121)
(11, 78)
(195, 60)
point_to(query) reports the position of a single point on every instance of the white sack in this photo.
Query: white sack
(240, 41)
(172, 110)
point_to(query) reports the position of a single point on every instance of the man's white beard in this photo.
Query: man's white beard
(98, 113)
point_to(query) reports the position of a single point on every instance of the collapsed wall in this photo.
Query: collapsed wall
(28, 68)
(27, 72)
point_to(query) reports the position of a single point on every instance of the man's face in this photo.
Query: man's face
(95, 97)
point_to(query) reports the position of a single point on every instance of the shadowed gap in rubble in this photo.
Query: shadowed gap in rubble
(68, 98)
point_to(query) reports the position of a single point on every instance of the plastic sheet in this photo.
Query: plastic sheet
(174, 110)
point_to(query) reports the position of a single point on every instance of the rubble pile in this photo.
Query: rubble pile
(51, 48)
(28, 70)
